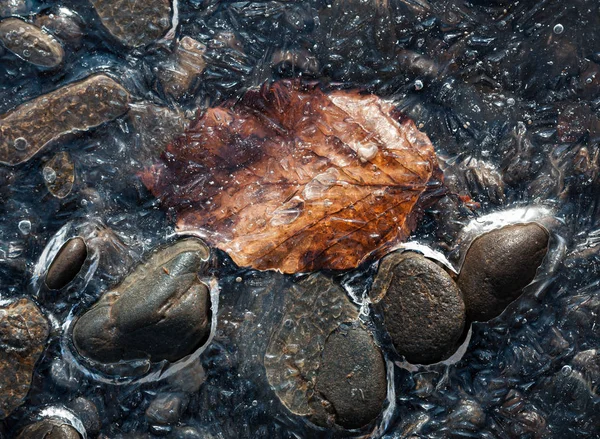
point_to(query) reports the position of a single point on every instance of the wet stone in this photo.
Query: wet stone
(49, 429)
(422, 307)
(23, 334)
(135, 23)
(498, 265)
(13, 7)
(87, 413)
(352, 377)
(181, 77)
(312, 345)
(166, 408)
(161, 311)
(31, 43)
(67, 263)
(74, 107)
(63, 23)
(314, 308)
(59, 174)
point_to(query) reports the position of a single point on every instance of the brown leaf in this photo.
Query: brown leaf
(293, 179)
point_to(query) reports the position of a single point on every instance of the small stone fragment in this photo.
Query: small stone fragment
(23, 334)
(14, 7)
(67, 263)
(135, 23)
(59, 174)
(352, 377)
(166, 408)
(423, 309)
(49, 429)
(155, 127)
(161, 311)
(498, 265)
(74, 107)
(87, 413)
(31, 43)
(63, 23)
(180, 77)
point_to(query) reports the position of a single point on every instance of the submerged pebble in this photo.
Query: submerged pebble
(59, 174)
(63, 23)
(31, 43)
(498, 265)
(161, 311)
(422, 307)
(180, 77)
(300, 361)
(67, 263)
(135, 23)
(49, 428)
(74, 107)
(23, 334)
(352, 377)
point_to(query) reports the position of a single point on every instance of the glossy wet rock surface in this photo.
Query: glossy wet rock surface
(422, 307)
(161, 311)
(75, 107)
(498, 265)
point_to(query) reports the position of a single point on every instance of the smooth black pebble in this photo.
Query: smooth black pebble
(67, 263)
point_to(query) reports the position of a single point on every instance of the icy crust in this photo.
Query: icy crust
(314, 308)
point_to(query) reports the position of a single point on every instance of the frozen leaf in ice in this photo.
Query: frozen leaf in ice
(293, 179)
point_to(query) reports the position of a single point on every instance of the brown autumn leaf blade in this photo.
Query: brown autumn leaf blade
(293, 179)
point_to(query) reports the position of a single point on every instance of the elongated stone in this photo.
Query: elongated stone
(161, 311)
(23, 334)
(31, 43)
(74, 107)
(67, 263)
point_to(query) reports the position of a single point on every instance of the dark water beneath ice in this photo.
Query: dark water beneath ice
(508, 92)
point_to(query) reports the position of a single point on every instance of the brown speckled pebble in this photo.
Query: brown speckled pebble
(67, 263)
(498, 265)
(49, 429)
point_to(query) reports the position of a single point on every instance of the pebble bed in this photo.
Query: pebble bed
(482, 325)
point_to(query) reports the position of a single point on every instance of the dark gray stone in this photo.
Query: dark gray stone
(161, 311)
(87, 413)
(352, 377)
(49, 429)
(498, 265)
(67, 263)
(423, 309)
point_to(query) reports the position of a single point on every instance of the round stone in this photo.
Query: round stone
(498, 265)
(423, 309)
